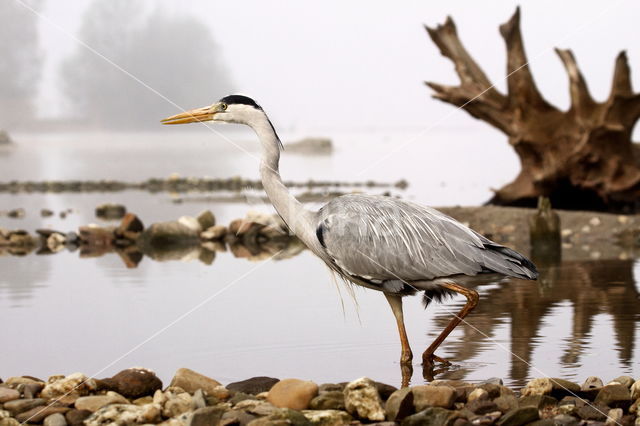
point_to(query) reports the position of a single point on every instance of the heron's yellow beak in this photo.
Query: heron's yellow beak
(191, 116)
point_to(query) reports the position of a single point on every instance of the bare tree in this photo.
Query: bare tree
(20, 63)
(172, 56)
(582, 158)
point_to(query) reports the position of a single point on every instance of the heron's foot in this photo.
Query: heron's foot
(406, 357)
(429, 359)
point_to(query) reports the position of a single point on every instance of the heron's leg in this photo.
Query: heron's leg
(406, 367)
(395, 302)
(428, 356)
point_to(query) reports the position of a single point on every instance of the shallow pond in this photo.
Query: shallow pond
(235, 319)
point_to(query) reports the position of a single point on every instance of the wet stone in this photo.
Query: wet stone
(624, 380)
(400, 404)
(111, 211)
(592, 412)
(482, 406)
(385, 390)
(254, 385)
(635, 390)
(206, 219)
(478, 393)
(506, 403)
(565, 420)
(486, 419)
(332, 400)
(519, 416)
(76, 417)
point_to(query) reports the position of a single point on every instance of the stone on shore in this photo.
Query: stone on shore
(362, 400)
(432, 416)
(254, 385)
(94, 402)
(21, 405)
(206, 219)
(8, 394)
(425, 396)
(55, 419)
(38, 414)
(133, 383)
(328, 400)
(592, 382)
(191, 381)
(111, 211)
(399, 405)
(614, 396)
(327, 417)
(292, 393)
(519, 416)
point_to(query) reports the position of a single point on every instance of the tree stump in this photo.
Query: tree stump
(582, 158)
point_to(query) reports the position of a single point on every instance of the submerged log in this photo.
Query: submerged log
(582, 158)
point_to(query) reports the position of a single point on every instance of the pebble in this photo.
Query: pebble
(331, 400)
(55, 419)
(206, 219)
(73, 384)
(8, 394)
(624, 380)
(38, 414)
(76, 417)
(614, 416)
(478, 393)
(292, 393)
(22, 405)
(177, 404)
(425, 396)
(206, 416)
(614, 396)
(94, 402)
(400, 404)
(254, 385)
(635, 390)
(519, 416)
(133, 383)
(592, 382)
(433, 416)
(327, 417)
(191, 381)
(362, 400)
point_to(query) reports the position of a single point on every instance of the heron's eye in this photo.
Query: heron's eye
(223, 107)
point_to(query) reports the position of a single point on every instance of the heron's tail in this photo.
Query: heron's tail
(497, 258)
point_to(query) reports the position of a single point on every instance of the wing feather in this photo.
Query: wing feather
(389, 239)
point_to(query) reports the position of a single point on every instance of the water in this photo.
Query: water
(235, 319)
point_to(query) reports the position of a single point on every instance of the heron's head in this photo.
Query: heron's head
(230, 109)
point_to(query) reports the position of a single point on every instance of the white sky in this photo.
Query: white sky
(361, 64)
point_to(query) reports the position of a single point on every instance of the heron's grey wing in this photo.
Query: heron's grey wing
(382, 238)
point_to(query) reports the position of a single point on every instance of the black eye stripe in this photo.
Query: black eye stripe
(240, 99)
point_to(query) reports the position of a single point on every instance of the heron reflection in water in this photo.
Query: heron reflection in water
(382, 243)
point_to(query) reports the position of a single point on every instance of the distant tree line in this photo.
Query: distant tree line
(133, 63)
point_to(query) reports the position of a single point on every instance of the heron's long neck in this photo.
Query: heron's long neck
(288, 207)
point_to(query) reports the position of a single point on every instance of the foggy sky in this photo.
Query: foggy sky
(361, 65)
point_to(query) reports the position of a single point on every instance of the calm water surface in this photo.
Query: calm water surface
(288, 318)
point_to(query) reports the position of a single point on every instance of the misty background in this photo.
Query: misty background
(356, 65)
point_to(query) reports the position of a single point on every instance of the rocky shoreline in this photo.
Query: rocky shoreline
(136, 396)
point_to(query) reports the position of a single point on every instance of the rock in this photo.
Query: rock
(206, 416)
(8, 394)
(123, 414)
(214, 233)
(482, 406)
(331, 400)
(593, 412)
(237, 417)
(399, 405)
(328, 387)
(362, 400)
(478, 393)
(206, 219)
(31, 390)
(635, 390)
(310, 145)
(487, 419)
(94, 402)
(519, 416)
(624, 380)
(191, 381)
(46, 213)
(191, 223)
(21, 405)
(130, 227)
(563, 420)
(93, 235)
(56, 242)
(506, 403)
(614, 416)
(9, 421)
(537, 401)
(254, 385)
(282, 416)
(38, 414)
(327, 417)
(292, 393)
(17, 213)
(542, 386)
(425, 396)
(257, 407)
(111, 211)
(55, 419)
(614, 396)
(4, 138)
(166, 235)
(240, 396)
(177, 404)
(592, 382)
(133, 383)
(433, 416)
(492, 381)
(76, 417)
(385, 390)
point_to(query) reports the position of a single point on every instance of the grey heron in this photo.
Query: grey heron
(386, 244)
